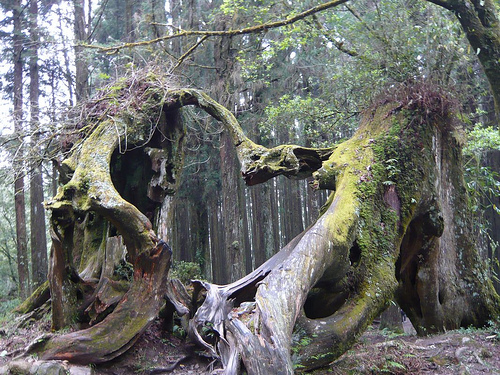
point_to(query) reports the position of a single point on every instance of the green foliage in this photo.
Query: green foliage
(124, 271)
(229, 7)
(178, 331)
(391, 367)
(6, 307)
(390, 334)
(482, 183)
(481, 139)
(308, 120)
(185, 271)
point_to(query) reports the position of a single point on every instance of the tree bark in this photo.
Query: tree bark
(391, 319)
(394, 176)
(119, 331)
(89, 210)
(491, 240)
(263, 235)
(19, 169)
(234, 245)
(81, 36)
(39, 265)
(219, 270)
(396, 224)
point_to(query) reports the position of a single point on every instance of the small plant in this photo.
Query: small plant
(393, 365)
(124, 271)
(390, 334)
(185, 271)
(178, 331)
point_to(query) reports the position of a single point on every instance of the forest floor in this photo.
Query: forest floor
(466, 351)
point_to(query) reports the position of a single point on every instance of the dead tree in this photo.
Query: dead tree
(395, 226)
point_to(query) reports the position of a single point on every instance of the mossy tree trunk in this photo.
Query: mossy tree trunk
(396, 225)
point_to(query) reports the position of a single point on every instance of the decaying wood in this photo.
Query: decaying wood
(119, 330)
(385, 232)
(360, 248)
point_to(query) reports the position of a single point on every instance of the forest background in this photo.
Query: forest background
(305, 83)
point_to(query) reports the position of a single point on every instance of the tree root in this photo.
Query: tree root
(119, 330)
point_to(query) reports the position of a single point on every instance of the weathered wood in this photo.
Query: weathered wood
(388, 228)
(119, 330)
(37, 299)
(386, 211)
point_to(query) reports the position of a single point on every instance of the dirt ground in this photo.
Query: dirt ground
(468, 351)
(465, 351)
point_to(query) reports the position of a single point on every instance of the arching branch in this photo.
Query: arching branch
(258, 163)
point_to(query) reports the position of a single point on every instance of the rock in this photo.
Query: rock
(81, 370)
(50, 368)
(18, 367)
(24, 367)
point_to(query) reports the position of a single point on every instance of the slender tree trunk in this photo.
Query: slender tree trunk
(263, 236)
(202, 251)
(219, 269)
(183, 227)
(38, 236)
(67, 69)
(81, 66)
(175, 13)
(275, 216)
(129, 21)
(243, 223)
(22, 246)
(233, 229)
(158, 17)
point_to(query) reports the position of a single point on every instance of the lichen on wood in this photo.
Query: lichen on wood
(388, 228)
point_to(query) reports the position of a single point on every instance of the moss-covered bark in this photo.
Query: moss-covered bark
(92, 280)
(396, 224)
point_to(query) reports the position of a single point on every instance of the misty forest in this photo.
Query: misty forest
(250, 187)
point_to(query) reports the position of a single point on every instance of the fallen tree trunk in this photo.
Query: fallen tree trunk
(395, 225)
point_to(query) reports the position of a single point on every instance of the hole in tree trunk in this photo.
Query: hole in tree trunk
(411, 246)
(355, 254)
(321, 303)
(131, 173)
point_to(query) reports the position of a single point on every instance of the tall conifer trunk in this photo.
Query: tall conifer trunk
(37, 217)
(81, 65)
(22, 246)
(233, 227)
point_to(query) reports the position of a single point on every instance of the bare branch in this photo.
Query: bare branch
(207, 33)
(189, 51)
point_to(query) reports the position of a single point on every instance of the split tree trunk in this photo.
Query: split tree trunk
(396, 224)
(398, 216)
